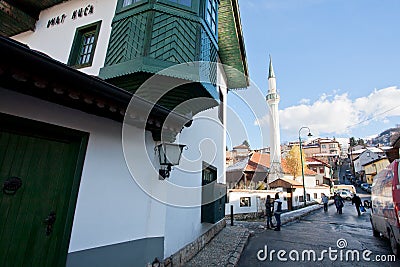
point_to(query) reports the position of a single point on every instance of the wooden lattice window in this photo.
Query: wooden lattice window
(84, 45)
(130, 2)
(212, 15)
(182, 2)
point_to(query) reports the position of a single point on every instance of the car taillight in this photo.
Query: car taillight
(398, 218)
(397, 210)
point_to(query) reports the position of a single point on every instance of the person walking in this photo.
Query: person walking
(325, 202)
(277, 211)
(338, 203)
(269, 211)
(356, 200)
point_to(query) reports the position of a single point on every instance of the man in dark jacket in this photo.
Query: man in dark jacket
(277, 211)
(269, 211)
(338, 203)
(356, 200)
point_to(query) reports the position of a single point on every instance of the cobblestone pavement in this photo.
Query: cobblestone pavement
(226, 247)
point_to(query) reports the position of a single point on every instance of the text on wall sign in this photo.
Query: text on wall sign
(77, 13)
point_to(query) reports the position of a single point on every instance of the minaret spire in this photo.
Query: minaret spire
(275, 170)
(271, 73)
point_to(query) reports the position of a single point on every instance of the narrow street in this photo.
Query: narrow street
(318, 232)
(336, 239)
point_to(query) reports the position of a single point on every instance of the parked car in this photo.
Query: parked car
(345, 194)
(385, 197)
(342, 189)
(364, 186)
(351, 188)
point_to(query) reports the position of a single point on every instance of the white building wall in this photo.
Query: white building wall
(108, 197)
(206, 143)
(183, 224)
(257, 201)
(56, 41)
(364, 158)
(309, 191)
(111, 207)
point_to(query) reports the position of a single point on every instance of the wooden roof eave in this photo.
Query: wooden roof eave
(33, 73)
(21, 16)
(231, 45)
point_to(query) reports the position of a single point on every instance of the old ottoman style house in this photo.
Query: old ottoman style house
(87, 128)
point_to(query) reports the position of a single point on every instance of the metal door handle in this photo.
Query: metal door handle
(49, 222)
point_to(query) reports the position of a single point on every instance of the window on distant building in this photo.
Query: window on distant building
(323, 146)
(308, 197)
(245, 202)
(84, 45)
(317, 182)
(212, 15)
(315, 195)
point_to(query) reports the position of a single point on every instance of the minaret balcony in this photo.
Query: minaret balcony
(272, 97)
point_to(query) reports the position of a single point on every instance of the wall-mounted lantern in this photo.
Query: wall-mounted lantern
(169, 154)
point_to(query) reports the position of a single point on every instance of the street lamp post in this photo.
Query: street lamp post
(301, 158)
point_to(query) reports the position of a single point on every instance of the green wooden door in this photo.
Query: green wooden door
(49, 166)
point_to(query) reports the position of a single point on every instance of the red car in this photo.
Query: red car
(385, 198)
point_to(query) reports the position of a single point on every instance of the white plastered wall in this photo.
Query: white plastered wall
(111, 208)
(56, 41)
(206, 142)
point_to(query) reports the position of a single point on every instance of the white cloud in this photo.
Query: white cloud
(380, 104)
(305, 101)
(338, 114)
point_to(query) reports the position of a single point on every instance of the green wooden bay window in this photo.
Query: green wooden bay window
(149, 36)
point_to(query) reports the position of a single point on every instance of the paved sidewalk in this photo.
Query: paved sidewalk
(226, 247)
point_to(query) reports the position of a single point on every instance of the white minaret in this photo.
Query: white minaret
(274, 132)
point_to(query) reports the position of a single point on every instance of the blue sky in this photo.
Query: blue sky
(336, 63)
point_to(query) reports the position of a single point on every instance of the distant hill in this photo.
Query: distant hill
(385, 138)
